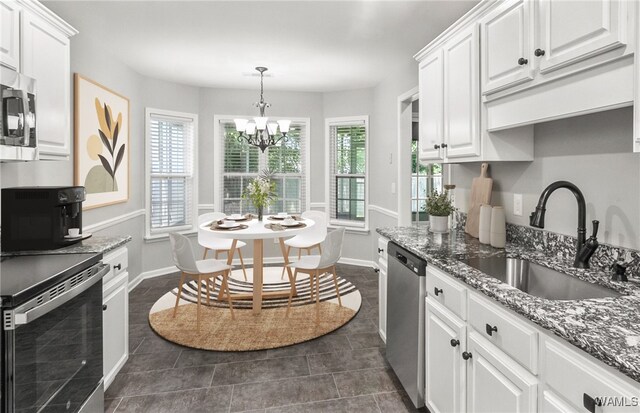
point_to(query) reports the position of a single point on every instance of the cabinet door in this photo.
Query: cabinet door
(572, 31)
(382, 303)
(445, 369)
(46, 58)
(506, 53)
(115, 329)
(462, 94)
(10, 34)
(431, 88)
(495, 383)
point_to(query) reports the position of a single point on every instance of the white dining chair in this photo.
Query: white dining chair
(202, 270)
(315, 265)
(310, 239)
(221, 244)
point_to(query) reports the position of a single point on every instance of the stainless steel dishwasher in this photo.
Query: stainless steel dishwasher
(406, 286)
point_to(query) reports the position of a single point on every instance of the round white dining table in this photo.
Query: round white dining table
(258, 232)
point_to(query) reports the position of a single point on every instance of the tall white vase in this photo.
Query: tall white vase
(484, 229)
(498, 227)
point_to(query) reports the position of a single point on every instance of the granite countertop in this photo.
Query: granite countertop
(95, 244)
(606, 328)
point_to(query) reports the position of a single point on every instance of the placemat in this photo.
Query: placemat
(278, 227)
(215, 226)
(295, 218)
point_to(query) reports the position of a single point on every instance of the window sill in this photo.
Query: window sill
(351, 230)
(151, 238)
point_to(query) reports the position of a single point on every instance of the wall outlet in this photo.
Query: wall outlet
(517, 205)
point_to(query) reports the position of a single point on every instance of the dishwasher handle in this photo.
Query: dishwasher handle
(401, 258)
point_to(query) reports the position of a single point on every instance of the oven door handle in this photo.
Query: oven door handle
(21, 318)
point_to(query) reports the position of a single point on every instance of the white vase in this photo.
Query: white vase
(498, 228)
(484, 227)
(439, 224)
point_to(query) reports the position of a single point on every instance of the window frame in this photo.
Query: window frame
(159, 233)
(357, 226)
(218, 148)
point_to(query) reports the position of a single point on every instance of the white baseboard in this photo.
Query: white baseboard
(354, 261)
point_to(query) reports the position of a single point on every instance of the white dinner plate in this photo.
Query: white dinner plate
(293, 224)
(235, 217)
(228, 225)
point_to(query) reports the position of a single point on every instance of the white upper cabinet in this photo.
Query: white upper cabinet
(569, 32)
(507, 57)
(431, 107)
(461, 95)
(10, 34)
(46, 57)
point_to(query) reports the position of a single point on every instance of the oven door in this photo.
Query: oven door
(53, 347)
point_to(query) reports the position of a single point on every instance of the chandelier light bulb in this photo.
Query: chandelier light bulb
(284, 126)
(261, 122)
(272, 128)
(250, 129)
(241, 124)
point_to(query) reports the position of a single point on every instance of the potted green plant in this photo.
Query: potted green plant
(439, 208)
(261, 191)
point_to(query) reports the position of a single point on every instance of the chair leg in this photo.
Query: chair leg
(199, 299)
(225, 276)
(311, 286)
(208, 292)
(293, 283)
(320, 248)
(335, 282)
(175, 309)
(204, 256)
(317, 297)
(244, 271)
(217, 253)
(284, 268)
(299, 253)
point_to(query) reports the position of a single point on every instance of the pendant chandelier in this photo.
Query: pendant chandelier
(260, 132)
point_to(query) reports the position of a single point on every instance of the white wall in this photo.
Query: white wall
(595, 153)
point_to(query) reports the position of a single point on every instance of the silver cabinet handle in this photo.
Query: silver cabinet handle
(34, 313)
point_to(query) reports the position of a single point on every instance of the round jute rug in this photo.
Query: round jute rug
(248, 331)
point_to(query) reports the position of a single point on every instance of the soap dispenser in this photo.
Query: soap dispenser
(590, 246)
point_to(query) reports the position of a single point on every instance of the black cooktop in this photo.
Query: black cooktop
(24, 277)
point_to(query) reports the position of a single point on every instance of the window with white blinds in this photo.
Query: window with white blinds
(242, 162)
(171, 165)
(347, 166)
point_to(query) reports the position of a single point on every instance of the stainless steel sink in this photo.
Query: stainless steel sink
(537, 280)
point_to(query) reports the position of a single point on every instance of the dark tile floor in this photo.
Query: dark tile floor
(345, 371)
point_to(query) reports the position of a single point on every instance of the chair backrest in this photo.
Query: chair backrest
(320, 223)
(331, 248)
(183, 253)
(210, 216)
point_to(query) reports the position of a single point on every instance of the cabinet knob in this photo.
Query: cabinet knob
(436, 146)
(380, 250)
(117, 266)
(538, 52)
(444, 145)
(590, 403)
(376, 269)
(437, 291)
(490, 330)
(466, 355)
(454, 342)
(522, 61)
(104, 307)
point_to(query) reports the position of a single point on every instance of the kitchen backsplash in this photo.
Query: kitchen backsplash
(564, 246)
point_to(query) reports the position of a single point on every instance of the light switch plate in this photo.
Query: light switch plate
(517, 205)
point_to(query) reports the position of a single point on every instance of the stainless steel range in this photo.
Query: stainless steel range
(52, 333)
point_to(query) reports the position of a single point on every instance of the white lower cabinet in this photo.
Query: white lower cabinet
(382, 287)
(115, 315)
(495, 382)
(482, 357)
(445, 368)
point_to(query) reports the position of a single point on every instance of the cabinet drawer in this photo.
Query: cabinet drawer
(382, 247)
(447, 291)
(569, 374)
(509, 334)
(118, 260)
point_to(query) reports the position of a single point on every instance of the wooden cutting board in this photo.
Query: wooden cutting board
(480, 194)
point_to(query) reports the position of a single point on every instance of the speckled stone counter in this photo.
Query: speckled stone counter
(606, 328)
(95, 244)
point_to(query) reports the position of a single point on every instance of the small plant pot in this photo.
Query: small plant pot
(439, 224)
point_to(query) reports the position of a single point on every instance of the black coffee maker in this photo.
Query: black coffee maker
(39, 218)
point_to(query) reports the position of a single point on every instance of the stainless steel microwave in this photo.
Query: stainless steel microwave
(19, 138)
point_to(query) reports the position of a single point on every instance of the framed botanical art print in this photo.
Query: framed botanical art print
(101, 143)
